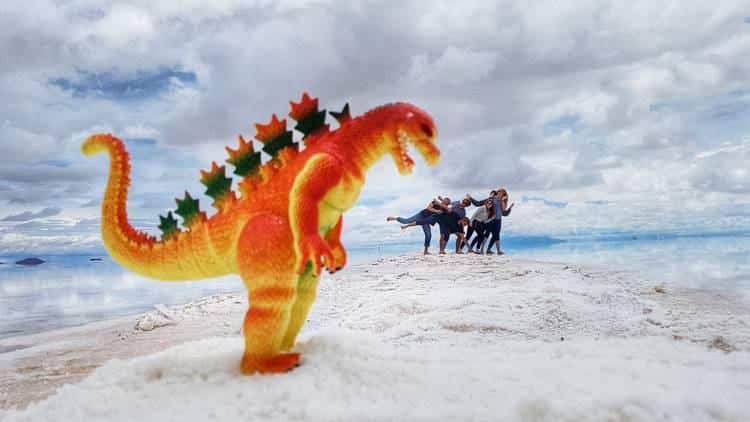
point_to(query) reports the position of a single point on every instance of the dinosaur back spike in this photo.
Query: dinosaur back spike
(343, 116)
(309, 119)
(189, 209)
(244, 159)
(274, 136)
(218, 186)
(168, 226)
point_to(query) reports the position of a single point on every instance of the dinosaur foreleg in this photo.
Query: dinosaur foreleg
(266, 262)
(321, 173)
(306, 292)
(337, 248)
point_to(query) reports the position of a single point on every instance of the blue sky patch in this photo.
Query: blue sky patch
(563, 123)
(148, 150)
(108, 85)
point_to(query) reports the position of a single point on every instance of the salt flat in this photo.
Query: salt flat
(411, 338)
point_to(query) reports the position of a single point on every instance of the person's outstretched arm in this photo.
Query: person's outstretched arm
(507, 211)
(475, 202)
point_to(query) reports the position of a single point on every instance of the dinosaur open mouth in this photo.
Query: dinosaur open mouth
(403, 160)
(422, 141)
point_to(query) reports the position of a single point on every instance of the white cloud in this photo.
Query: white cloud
(631, 92)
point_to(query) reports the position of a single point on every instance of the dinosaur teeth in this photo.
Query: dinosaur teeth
(403, 141)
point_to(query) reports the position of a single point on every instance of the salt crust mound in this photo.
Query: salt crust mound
(444, 338)
(350, 376)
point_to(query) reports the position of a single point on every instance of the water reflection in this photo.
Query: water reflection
(71, 290)
(721, 263)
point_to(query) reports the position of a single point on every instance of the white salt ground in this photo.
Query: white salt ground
(439, 338)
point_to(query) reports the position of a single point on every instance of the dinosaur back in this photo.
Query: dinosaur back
(278, 143)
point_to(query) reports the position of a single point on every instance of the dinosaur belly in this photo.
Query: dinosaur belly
(336, 201)
(328, 216)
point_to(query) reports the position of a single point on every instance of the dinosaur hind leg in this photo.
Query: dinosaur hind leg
(266, 262)
(306, 292)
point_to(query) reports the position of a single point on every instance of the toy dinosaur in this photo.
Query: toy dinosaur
(282, 228)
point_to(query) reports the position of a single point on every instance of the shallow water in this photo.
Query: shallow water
(720, 262)
(72, 290)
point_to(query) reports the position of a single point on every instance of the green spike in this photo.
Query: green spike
(216, 182)
(244, 159)
(168, 226)
(342, 116)
(282, 141)
(245, 164)
(188, 209)
(311, 123)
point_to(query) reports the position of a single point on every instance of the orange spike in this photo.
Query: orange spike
(245, 146)
(206, 174)
(306, 106)
(270, 131)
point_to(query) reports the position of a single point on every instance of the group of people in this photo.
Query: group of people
(485, 223)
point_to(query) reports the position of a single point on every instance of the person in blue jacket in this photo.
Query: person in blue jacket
(500, 203)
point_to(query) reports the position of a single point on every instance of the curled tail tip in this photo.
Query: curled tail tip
(100, 142)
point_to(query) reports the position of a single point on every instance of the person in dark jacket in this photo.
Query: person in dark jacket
(452, 221)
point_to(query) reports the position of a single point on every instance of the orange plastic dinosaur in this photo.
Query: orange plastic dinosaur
(284, 226)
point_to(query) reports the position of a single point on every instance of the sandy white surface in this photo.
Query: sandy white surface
(415, 338)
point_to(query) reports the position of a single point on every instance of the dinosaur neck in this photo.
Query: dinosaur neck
(361, 154)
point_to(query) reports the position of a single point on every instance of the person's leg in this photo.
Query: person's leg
(407, 220)
(459, 242)
(499, 237)
(495, 236)
(487, 234)
(427, 238)
(479, 230)
(443, 231)
(469, 231)
(476, 244)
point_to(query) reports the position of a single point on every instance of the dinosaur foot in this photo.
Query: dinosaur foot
(278, 364)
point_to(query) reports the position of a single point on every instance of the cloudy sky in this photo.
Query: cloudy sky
(629, 116)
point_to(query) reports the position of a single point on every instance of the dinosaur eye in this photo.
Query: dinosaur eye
(427, 130)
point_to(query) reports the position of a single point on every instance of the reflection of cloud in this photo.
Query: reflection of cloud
(28, 215)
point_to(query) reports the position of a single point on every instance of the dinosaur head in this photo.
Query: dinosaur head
(390, 129)
(408, 125)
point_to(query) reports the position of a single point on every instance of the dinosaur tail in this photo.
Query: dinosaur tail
(185, 256)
